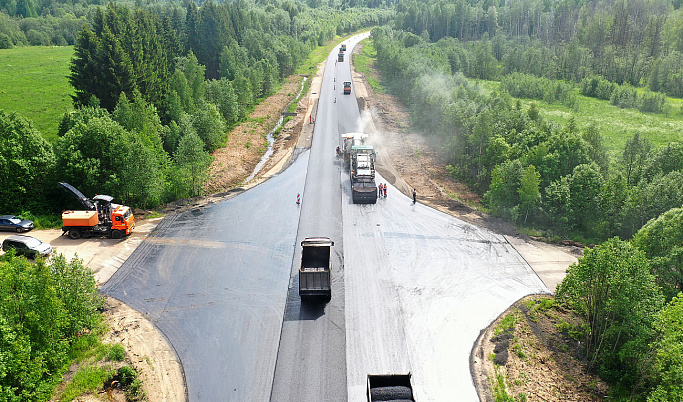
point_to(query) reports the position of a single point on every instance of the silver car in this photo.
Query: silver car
(27, 246)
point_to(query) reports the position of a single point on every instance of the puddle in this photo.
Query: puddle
(271, 139)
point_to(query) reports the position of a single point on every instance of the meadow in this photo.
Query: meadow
(615, 124)
(35, 85)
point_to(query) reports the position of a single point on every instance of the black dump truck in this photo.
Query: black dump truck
(314, 273)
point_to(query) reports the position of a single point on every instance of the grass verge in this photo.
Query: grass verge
(363, 63)
(35, 85)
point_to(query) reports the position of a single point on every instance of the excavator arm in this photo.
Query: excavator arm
(87, 202)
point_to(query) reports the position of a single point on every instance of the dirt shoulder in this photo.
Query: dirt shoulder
(531, 353)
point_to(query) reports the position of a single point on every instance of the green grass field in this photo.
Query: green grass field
(35, 85)
(616, 125)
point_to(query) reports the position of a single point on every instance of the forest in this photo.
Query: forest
(158, 86)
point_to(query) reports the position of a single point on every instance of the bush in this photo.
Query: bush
(116, 353)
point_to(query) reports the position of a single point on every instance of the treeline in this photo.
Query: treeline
(46, 312)
(58, 22)
(635, 42)
(528, 169)
(155, 95)
(249, 50)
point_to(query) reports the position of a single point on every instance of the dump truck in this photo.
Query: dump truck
(314, 273)
(390, 387)
(101, 218)
(347, 87)
(362, 174)
(340, 57)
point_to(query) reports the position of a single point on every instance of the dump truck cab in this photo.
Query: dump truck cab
(122, 219)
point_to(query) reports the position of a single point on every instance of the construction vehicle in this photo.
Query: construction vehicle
(101, 217)
(349, 140)
(343, 47)
(390, 387)
(340, 57)
(362, 174)
(347, 87)
(314, 273)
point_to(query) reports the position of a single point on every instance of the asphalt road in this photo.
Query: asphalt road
(411, 287)
(214, 280)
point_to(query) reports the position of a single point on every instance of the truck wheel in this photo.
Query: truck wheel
(74, 234)
(116, 234)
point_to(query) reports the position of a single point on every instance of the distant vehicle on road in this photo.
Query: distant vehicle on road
(347, 87)
(14, 223)
(314, 274)
(343, 47)
(27, 246)
(340, 57)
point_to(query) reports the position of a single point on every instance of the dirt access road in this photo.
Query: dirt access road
(407, 160)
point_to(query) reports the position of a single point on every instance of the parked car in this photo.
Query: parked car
(15, 223)
(27, 246)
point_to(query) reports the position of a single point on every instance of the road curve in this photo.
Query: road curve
(214, 280)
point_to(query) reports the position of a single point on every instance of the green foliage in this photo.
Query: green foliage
(668, 366)
(39, 321)
(26, 163)
(506, 324)
(103, 157)
(221, 93)
(612, 288)
(661, 239)
(640, 206)
(209, 125)
(116, 353)
(86, 379)
(531, 87)
(192, 162)
(499, 389)
(77, 288)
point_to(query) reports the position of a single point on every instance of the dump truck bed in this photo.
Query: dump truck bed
(314, 273)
